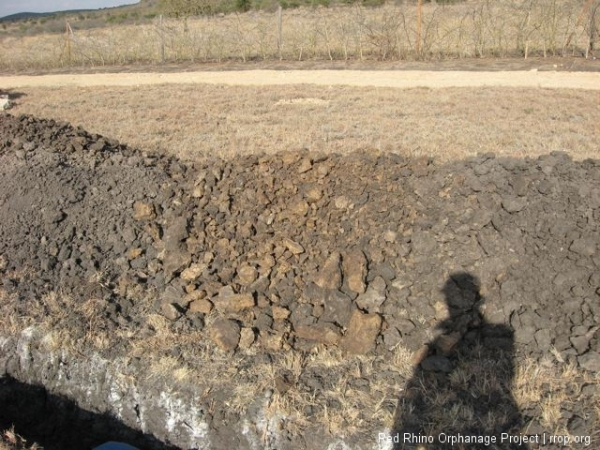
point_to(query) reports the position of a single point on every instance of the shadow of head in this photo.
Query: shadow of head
(461, 292)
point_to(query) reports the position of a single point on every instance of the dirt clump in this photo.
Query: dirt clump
(293, 251)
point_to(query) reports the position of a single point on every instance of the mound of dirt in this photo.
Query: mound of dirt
(299, 250)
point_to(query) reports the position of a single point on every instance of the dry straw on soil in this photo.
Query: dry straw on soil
(480, 28)
(10, 440)
(543, 387)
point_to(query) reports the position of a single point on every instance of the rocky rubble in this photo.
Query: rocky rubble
(302, 249)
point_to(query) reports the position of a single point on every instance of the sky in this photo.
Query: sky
(8, 7)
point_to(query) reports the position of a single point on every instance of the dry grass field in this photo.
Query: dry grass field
(191, 121)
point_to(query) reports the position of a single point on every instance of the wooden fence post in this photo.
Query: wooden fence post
(68, 35)
(279, 32)
(593, 30)
(418, 43)
(161, 33)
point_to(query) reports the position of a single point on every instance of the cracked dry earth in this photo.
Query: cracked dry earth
(193, 301)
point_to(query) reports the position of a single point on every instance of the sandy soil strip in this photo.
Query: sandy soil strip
(395, 79)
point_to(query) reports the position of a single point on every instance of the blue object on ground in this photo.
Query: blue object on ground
(115, 446)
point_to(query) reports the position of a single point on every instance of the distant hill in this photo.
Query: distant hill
(31, 15)
(29, 23)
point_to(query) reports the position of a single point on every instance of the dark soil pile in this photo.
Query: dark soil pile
(271, 254)
(299, 248)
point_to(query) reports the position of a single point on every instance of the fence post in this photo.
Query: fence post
(68, 33)
(161, 33)
(418, 46)
(279, 32)
(585, 11)
(593, 31)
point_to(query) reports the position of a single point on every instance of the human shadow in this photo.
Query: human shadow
(57, 423)
(459, 396)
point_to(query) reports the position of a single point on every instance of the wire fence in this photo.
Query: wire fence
(480, 28)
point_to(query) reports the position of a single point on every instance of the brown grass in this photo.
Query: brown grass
(192, 121)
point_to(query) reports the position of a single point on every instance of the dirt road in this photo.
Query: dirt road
(394, 79)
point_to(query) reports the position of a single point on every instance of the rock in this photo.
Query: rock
(271, 341)
(361, 335)
(280, 313)
(305, 165)
(329, 276)
(419, 355)
(299, 208)
(313, 193)
(174, 295)
(193, 272)
(390, 237)
(154, 231)
(583, 246)
(143, 211)
(134, 253)
(590, 361)
(198, 191)
(174, 261)
(405, 326)
(293, 247)
(337, 308)
(170, 311)
(580, 343)
(247, 275)
(323, 333)
(543, 338)
(423, 243)
(520, 185)
(203, 306)
(5, 103)
(385, 271)
(225, 334)
(176, 232)
(374, 297)
(54, 216)
(342, 202)
(314, 294)
(247, 338)
(355, 270)
(263, 322)
(525, 334)
(391, 338)
(323, 170)
(229, 302)
(514, 204)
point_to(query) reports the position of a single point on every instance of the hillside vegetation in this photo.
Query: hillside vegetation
(480, 29)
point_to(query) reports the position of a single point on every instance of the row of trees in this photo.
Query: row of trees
(188, 8)
(587, 17)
